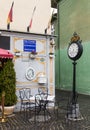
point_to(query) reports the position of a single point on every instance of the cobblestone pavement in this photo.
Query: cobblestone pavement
(21, 121)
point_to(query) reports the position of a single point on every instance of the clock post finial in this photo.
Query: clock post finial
(75, 37)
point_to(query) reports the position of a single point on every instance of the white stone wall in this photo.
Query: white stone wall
(42, 64)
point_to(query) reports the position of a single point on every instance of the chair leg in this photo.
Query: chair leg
(35, 114)
(44, 115)
(56, 110)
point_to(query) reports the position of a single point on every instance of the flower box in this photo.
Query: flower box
(33, 54)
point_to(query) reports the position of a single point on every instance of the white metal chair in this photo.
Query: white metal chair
(30, 98)
(24, 101)
(27, 100)
(41, 104)
(51, 99)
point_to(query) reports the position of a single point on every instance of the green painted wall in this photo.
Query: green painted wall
(74, 16)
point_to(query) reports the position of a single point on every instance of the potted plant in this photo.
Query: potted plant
(8, 83)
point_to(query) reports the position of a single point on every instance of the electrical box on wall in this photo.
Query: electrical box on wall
(42, 79)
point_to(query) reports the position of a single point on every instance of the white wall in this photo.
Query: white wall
(22, 12)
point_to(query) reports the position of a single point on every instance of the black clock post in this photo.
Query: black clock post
(75, 50)
(74, 94)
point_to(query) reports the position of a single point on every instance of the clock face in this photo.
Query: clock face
(73, 50)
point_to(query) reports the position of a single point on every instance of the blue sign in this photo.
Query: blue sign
(29, 45)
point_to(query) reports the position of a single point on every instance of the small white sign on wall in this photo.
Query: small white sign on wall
(30, 73)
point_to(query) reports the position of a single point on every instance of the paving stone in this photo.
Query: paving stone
(21, 121)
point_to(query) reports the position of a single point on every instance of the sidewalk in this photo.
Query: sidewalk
(20, 121)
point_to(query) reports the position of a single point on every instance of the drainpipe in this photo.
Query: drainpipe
(58, 21)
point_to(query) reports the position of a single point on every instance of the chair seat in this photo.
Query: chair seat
(32, 98)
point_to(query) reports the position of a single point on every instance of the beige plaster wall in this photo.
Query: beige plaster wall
(22, 12)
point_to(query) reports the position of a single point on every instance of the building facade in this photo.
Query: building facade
(33, 50)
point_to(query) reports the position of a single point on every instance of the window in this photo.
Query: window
(5, 42)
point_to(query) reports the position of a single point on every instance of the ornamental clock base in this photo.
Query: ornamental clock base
(73, 112)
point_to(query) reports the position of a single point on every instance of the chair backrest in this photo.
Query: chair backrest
(42, 90)
(28, 93)
(22, 93)
(25, 93)
(44, 96)
(41, 97)
(37, 99)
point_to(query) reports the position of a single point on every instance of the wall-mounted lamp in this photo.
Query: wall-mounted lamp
(51, 54)
(52, 42)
